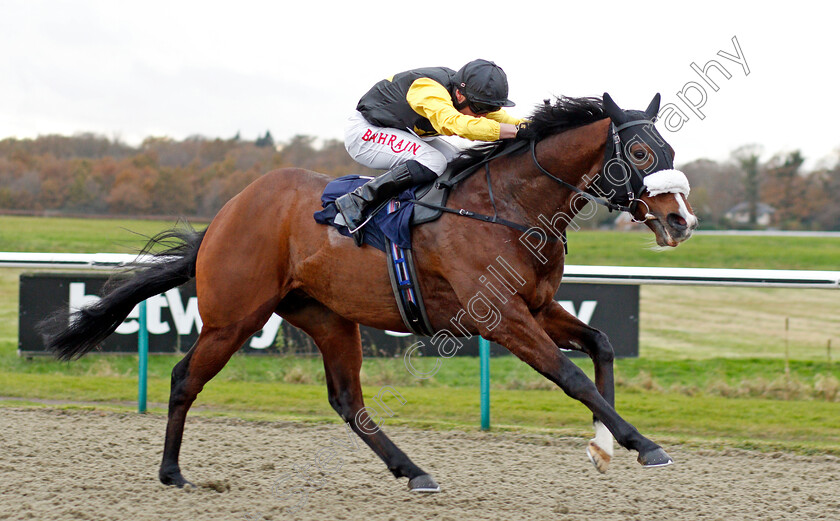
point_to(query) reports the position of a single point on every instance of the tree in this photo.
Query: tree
(299, 151)
(131, 192)
(172, 193)
(826, 189)
(747, 158)
(266, 140)
(785, 189)
(715, 188)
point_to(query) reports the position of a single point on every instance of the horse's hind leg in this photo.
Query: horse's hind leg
(204, 360)
(340, 344)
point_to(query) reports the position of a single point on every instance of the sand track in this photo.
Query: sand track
(78, 464)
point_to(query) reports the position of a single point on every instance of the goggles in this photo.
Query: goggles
(483, 108)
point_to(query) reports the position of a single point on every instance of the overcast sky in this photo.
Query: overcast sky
(179, 68)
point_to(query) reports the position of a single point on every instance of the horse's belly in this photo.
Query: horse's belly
(355, 285)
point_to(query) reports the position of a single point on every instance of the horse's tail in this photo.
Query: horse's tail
(71, 335)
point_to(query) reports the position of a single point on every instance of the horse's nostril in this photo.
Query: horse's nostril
(677, 222)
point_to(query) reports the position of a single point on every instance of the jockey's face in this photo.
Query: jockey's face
(465, 109)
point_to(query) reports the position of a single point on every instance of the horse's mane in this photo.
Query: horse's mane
(547, 119)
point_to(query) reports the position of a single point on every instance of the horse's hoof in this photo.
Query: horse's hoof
(174, 479)
(655, 458)
(598, 457)
(424, 483)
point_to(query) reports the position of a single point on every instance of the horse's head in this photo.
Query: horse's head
(639, 175)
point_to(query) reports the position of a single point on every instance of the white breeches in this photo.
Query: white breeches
(385, 148)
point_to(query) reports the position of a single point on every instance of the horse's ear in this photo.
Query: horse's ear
(653, 108)
(613, 111)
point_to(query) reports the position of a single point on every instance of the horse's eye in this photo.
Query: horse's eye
(639, 154)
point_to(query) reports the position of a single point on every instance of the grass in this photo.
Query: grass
(71, 235)
(749, 423)
(679, 322)
(75, 235)
(717, 366)
(705, 251)
(508, 373)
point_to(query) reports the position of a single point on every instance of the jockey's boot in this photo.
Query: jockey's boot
(355, 204)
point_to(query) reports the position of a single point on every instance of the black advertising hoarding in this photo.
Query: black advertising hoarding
(173, 320)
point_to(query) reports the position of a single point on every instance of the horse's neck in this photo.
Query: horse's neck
(575, 156)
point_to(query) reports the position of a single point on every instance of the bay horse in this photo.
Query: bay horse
(264, 253)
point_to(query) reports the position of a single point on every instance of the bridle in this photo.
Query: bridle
(612, 155)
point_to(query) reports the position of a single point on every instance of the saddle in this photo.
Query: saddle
(432, 194)
(389, 230)
(429, 204)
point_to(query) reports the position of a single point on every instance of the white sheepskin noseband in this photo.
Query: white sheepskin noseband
(667, 182)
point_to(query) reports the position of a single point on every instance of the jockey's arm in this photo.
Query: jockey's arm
(431, 100)
(507, 123)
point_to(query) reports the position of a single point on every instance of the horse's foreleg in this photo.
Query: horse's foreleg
(523, 336)
(570, 333)
(340, 344)
(210, 353)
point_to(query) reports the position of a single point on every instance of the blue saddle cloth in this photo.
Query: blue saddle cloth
(393, 225)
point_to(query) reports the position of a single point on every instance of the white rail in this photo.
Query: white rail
(573, 273)
(704, 277)
(79, 261)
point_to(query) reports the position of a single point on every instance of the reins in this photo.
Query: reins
(612, 152)
(493, 219)
(598, 200)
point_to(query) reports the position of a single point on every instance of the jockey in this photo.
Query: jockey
(395, 124)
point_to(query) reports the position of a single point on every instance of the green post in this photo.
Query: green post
(484, 356)
(143, 355)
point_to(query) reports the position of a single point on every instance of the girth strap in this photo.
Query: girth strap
(405, 284)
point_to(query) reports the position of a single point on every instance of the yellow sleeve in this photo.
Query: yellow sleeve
(431, 100)
(503, 117)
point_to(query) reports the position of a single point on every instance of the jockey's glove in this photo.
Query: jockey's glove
(524, 132)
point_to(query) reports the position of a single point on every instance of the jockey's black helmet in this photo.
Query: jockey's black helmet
(482, 81)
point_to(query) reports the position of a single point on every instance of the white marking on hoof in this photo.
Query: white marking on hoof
(655, 458)
(426, 490)
(669, 462)
(600, 448)
(424, 484)
(599, 458)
